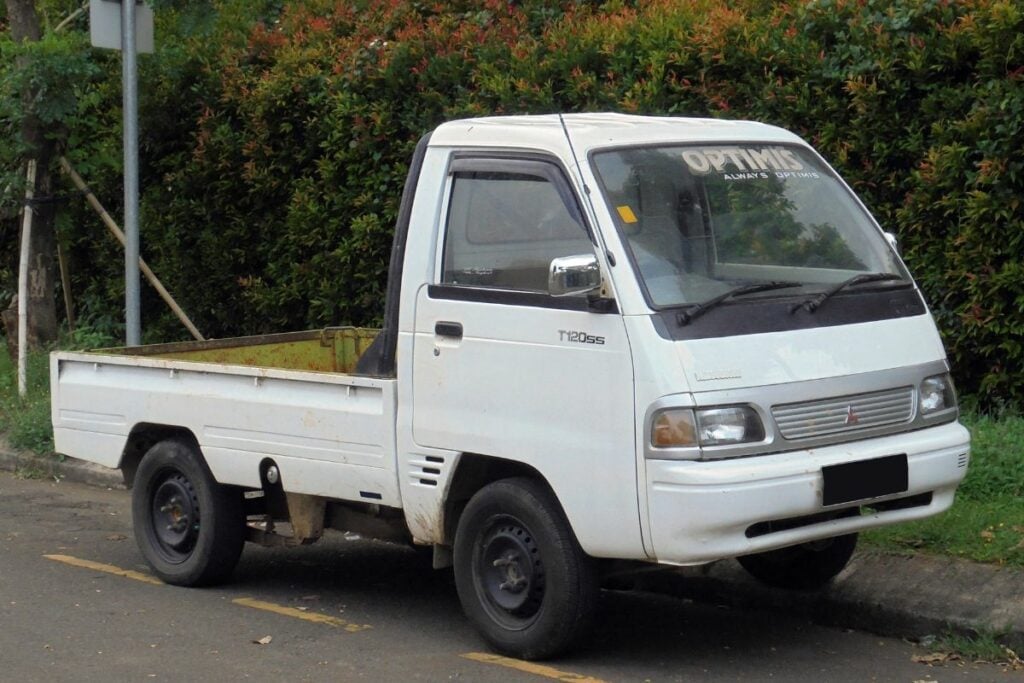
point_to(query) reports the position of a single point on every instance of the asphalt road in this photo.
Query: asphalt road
(77, 604)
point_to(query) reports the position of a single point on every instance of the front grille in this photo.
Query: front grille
(844, 413)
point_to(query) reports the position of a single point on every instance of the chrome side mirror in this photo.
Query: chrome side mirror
(574, 275)
(893, 242)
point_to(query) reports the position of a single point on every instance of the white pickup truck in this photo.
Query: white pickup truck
(608, 340)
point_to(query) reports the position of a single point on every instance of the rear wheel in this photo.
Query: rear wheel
(189, 528)
(802, 567)
(521, 576)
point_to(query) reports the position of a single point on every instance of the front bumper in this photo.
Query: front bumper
(706, 511)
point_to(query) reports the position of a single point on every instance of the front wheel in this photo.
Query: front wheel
(802, 567)
(189, 528)
(521, 576)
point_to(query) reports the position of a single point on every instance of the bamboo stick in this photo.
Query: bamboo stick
(71, 17)
(26, 240)
(65, 285)
(119, 235)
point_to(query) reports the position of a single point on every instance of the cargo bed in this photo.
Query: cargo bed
(289, 397)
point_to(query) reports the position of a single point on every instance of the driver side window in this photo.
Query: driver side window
(505, 226)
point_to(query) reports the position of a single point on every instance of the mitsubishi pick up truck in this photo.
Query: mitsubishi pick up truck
(608, 341)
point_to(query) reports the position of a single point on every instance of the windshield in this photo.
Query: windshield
(701, 220)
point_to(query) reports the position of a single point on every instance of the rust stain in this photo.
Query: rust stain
(329, 350)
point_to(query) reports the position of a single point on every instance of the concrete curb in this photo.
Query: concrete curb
(892, 595)
(68, 469)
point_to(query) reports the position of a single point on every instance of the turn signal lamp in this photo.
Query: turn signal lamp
(674, 428)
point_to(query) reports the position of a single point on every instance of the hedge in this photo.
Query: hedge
(276, 137)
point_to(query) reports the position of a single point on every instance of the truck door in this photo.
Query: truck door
(503, 369)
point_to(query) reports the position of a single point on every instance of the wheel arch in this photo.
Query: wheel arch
(475, 471)
(144, 436)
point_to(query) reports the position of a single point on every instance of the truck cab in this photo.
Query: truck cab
(750, 332)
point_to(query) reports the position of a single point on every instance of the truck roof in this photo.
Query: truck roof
(598, 130)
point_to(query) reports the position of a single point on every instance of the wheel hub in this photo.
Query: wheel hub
(510, 571)
(515, 581)
(175, 515)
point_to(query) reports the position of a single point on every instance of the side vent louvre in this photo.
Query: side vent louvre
(961, 460)
(428, 471)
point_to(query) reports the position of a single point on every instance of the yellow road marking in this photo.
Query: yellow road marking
(108, 568)
(530, 668)
(315, 617)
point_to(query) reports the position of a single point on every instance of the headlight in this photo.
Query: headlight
(735, 424)
(936, 394)
(686, 428)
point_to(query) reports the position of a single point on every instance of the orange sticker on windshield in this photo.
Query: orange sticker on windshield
(626, 214)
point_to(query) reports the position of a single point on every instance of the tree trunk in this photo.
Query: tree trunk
(42, 304)
(23, 19)
(42, 270)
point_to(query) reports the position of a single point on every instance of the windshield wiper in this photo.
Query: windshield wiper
(688, 316)
(812, 304)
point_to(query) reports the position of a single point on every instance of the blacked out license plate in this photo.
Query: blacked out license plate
(864, 479)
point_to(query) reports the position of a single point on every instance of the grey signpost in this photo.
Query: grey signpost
(111, 28)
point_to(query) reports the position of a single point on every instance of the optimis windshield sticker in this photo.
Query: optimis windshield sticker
(746, 163)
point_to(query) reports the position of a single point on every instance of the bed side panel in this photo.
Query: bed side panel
(330, 435)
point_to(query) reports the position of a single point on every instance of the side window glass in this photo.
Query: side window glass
(503, 229)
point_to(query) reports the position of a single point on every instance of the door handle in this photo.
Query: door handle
(448, 329)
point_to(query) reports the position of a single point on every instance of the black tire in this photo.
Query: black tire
(189, 528)
(533, 609)
(802, 567)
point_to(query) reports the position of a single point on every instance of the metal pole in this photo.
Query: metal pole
(133, 322)
(26, 240)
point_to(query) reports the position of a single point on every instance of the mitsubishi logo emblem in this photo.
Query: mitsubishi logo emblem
(851, 416)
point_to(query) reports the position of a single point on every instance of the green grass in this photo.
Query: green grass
(26, 421)
(986, 523)
(984, 646)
